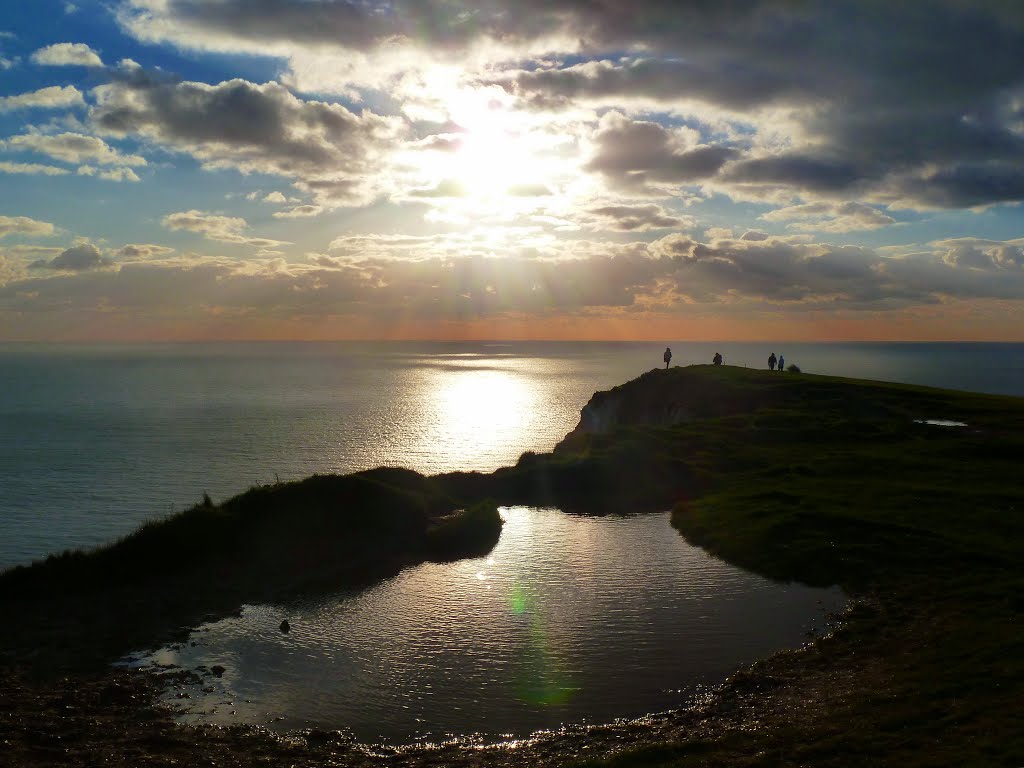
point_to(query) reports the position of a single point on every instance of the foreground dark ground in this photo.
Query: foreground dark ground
(827, 481)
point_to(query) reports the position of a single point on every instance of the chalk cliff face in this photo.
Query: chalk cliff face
(663, 398)
(648, 399)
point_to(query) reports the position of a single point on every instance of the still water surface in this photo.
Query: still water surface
(570, 619)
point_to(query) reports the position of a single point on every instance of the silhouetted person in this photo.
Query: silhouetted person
(717, 359)
(771, 361)
(668, 357)
(782, 362)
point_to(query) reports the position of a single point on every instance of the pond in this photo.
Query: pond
(569, 620)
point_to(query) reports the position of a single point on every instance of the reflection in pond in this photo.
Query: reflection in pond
(940, 422)
(570, 619)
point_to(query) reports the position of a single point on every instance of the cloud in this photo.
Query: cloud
(112, 174)
(383, 279)
(224, 229)
(334, 153)
(32, 169)
(800, 111)
(22, 225)
(634, 154)
(72, 148)
(299, 212)
(275, 197)
(978, 253)
(444, 188)
(78, 258)
(831, 217)
(51, 97)
(67, 54)
(528, 190)
(638, 218)
(144, 251)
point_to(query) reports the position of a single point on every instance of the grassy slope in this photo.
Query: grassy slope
(81, 610)
(830, 481)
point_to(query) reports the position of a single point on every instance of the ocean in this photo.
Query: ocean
(95, 440)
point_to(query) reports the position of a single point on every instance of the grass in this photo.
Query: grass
(84, 609)
(797, 477)
(831, 481)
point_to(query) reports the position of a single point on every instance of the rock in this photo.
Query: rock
(285, 626)
(217, 670)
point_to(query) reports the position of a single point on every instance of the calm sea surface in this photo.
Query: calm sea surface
(95, 440)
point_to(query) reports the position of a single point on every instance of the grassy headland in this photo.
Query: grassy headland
(837, 481)
(797, 477)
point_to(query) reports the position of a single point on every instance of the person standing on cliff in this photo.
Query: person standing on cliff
(668, 357)
(782, 362)
(771, 361)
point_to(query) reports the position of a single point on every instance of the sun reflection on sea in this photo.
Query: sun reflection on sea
(469, 412)
(480, 400)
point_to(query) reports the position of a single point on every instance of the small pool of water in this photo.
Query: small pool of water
(941, 422)
(569, 620)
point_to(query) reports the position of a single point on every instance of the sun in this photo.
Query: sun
(495, 154)
(494, 159)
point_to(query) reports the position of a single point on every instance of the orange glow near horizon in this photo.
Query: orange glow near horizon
(953, 321)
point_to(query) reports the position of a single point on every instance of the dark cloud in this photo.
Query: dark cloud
(632, 154)
(253, 128)
(75, 259)
(961, 185)
(636, 218)
(913, 102)
(805, 172)
(743, 86)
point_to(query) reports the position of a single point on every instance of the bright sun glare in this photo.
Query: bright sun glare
(503, 157)
(493, 159)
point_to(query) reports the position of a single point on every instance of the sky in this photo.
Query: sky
(511, 169)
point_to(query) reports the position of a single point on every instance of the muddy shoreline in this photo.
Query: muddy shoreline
(116, 717)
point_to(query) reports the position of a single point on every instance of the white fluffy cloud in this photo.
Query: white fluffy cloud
(22, 225)
(224, 229)
(32, 169)
(51, 97)
(67, 54)
(300, 212)
(110, 174)
(72, 148)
